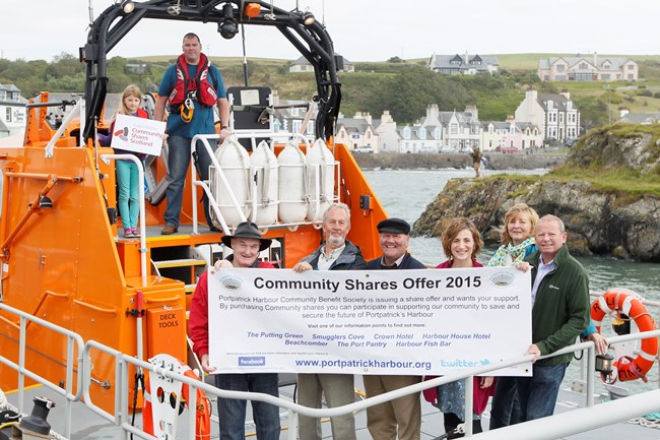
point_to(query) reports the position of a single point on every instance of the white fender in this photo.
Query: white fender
(321, 165)
(291, 187)
(264, 165)
(235, 164)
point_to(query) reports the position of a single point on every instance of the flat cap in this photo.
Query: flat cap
(394, 226)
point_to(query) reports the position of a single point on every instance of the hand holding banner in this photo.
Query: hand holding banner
(139, 135)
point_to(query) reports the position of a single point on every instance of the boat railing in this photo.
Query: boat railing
(123, 362)
(205, 141)
(75, 345)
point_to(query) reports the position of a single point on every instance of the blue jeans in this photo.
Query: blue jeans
(178, 162)
(129, 189)
(231, 412)
(505, 408)
(538, 394)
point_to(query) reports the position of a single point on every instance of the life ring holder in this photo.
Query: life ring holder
(626, 302)
(162, 405)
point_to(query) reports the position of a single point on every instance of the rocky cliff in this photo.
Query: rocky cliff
(612, 209)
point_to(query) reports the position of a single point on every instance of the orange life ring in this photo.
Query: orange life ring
(203, 411)
(629, 303)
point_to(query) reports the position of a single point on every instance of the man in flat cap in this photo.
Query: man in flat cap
(402, 416)
(246, 244)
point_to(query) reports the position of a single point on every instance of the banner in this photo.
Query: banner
(415, 322)
(139, 135)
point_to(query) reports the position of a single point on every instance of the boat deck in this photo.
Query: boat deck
(89, 426)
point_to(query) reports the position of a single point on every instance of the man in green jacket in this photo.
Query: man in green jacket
(560, 312)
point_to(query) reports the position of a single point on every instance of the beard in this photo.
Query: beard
(336, 241)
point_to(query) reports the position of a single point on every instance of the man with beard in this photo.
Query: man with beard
(402, 416)
(336, 253)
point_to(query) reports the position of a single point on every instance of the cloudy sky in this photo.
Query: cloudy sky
(363, 30)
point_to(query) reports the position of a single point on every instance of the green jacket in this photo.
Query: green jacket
(561, 310)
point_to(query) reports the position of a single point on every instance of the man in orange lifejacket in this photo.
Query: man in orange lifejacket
(191, 87)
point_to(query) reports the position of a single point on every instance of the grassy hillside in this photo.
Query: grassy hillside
(405, 88)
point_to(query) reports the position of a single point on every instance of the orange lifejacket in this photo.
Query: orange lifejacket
(199, 89)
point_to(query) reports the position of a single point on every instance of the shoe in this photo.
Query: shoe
(128, 233)
(136, 233)
(169, 230)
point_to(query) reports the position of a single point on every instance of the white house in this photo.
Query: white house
(588, 69)
(463, 64)
(510, 134)
(357, 132)
(302, 65)
(555, 115)
(12, 110)
(390, 139)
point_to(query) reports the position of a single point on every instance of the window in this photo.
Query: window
(422, 133)
(631, 76)
(561, 68)
(8, 118)
(436, 133)
(630, 66)
(406, 133)
(295, 111)
(490, 128)
(310, 128)
(561, 118)
(583, 66)
(605, 77)
(295, 127)
(453, 128)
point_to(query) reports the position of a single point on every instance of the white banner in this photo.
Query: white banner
(416, 322)
(139, 135)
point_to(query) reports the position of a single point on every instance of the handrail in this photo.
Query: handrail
(143, 222)
(110, 311)
(161, 300)
(74, 341)
(48, 151)
(213, 204)
(193, 173)
(122, 363)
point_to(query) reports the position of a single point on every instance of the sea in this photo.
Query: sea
(407, 193)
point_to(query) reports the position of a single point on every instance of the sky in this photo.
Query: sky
(362, 30)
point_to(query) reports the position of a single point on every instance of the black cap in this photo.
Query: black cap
(248, 230)
(394, 226)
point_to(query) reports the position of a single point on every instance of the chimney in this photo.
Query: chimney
(566, 94)
(596, 59)
(472, 110)
(368, 117)
(510, 119)
(386, 116)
